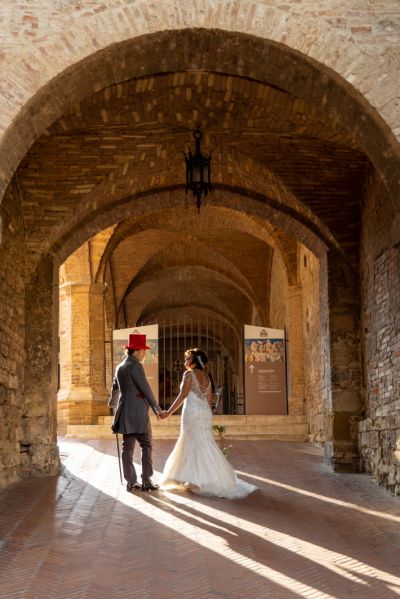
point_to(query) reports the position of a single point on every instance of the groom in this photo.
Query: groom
(132, 415)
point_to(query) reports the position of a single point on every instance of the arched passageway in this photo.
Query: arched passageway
(295, 179)
(198, 276)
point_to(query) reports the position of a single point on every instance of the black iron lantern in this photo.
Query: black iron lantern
(198, 171)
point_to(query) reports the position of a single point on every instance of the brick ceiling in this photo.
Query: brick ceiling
(142, 127)
(227, 268)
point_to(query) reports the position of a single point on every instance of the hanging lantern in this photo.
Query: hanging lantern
(198, 171)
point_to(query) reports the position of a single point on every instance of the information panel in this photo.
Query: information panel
(150, 364)
(265, 370)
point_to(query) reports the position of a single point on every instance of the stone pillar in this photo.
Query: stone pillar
(109, 358)
(82, 396)
(12, 335)
(296, 349)
(341, 450)
(109, 326)
(38, 445)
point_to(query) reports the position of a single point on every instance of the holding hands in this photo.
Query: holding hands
(162, 415)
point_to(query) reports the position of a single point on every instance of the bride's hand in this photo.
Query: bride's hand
(164, 414)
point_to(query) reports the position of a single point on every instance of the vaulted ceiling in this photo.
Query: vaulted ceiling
(130, 137)
(133, 135)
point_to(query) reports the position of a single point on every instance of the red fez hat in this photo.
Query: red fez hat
(136, 341)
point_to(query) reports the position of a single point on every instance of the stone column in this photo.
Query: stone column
(296, 349)
(341, 450)
(38, 445)
(109, 326)
(82, 396)
(109, 372)
(12, 328)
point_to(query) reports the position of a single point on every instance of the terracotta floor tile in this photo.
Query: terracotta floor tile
(306, 532)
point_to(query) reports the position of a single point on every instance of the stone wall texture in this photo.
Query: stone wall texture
(39, 408)
(12, 350)
(345, 362)
(278, 295)
(316, 407)
(27, 422)
(42, 39)
(82, 395)
(379, 431)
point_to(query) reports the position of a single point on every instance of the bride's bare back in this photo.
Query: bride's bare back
(203, 383)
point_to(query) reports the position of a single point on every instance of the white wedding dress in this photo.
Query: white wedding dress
(196, 462)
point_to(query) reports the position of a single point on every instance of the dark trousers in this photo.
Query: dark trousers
(146, 446)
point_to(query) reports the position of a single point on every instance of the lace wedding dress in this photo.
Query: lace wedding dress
(196, 461)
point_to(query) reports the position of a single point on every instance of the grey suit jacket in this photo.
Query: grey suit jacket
(132, 415)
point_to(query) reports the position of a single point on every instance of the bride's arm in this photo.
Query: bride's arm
(183, 393)
(211, 389)
(209, 398)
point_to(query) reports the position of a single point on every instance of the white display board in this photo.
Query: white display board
(265, 370)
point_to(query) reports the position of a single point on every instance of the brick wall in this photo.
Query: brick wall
(39, 417)
(82, 396)
(44, 38)
(278, 294)
(379, 432)
(315, 394)
(12, 352)
(27, 370)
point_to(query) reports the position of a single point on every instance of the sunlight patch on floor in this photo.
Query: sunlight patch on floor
(332, 500)
(340, 564)
(83, 462)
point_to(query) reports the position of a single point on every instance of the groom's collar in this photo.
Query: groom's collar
(131, 359)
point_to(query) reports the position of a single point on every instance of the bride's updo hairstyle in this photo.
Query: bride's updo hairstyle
(197, 357)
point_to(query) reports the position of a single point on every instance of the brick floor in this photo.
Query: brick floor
(306, 532)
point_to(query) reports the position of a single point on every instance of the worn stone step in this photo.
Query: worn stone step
(230, 419)
(284, 428)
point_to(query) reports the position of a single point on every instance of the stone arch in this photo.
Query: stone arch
(197, 252)
(240, 217)
(255, 205)
(176, 295)
(203, 275)
(236, 221)
(115, 192)
(279, 60)
(160, 265)
(142, 211)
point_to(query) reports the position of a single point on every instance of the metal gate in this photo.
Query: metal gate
(221, 343)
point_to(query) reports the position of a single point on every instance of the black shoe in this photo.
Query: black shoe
(131, 487)
(149, 486)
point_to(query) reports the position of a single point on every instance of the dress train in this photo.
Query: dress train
(196, 462)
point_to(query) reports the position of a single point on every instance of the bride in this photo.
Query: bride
(196, 462)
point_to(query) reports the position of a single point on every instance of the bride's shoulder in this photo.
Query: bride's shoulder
(186, 375)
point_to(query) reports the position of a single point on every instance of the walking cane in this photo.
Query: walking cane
(119, 458)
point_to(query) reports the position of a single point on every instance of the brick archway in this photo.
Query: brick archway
(153, 262)
(256, 206)
(276, 61)
(268, 63)
(155, 211)
(42, 316)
